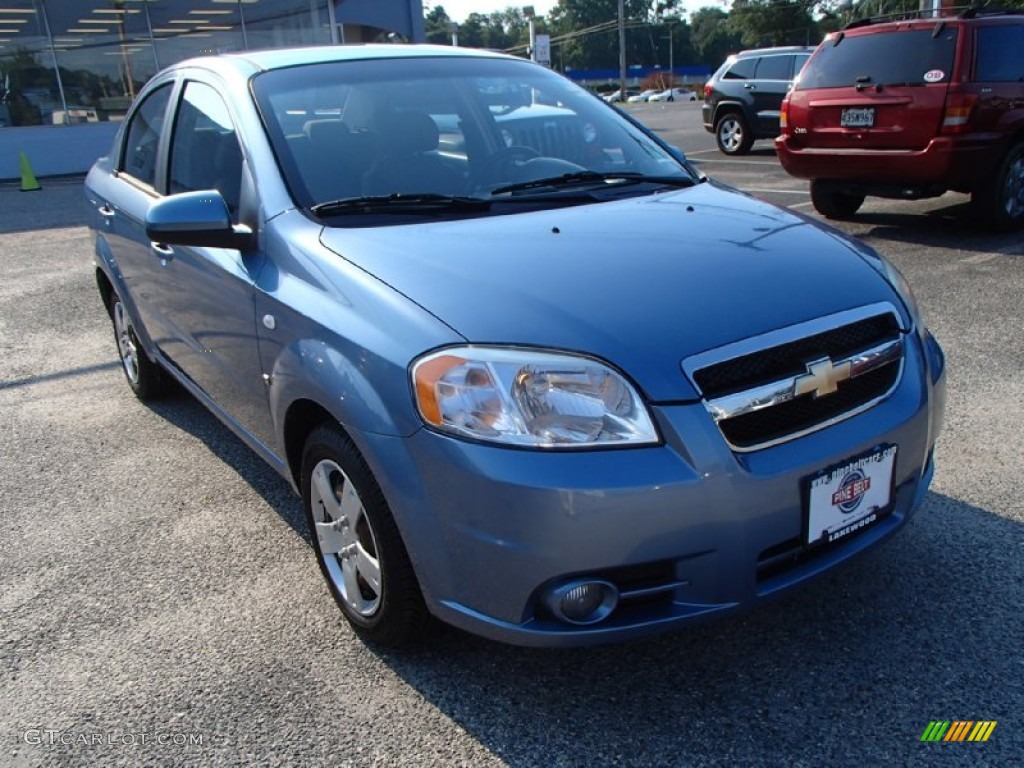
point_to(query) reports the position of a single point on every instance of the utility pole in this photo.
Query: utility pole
(671, 62)
(622, 50)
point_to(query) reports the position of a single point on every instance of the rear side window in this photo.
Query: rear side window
(887, 58)
(742, 69)
(775, 68)
(999, 54)
(143, 136)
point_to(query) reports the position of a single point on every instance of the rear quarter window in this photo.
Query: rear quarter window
(883, 58)
(999, 58)
(741, 69)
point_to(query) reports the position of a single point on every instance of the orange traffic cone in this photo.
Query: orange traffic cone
(29, 183)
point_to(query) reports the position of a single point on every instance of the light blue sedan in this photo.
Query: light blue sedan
(408, 278)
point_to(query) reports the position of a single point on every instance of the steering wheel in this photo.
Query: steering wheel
(500, 167)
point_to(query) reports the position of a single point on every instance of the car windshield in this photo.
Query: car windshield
(451, 127)
(910, 57)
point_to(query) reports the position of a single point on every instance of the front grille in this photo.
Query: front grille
(775, 363)
(780, 418)
(803, 413)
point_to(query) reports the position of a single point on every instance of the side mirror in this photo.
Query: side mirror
(196, 218)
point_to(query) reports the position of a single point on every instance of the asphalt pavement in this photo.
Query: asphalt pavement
(160, 604)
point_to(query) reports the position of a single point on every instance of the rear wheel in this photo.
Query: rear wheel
(832, 202)
(358, 546)
(144, 376)
(733, 134)
(1001, 205)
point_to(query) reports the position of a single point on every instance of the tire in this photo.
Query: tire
(357, 543)
(1001, 205)
(732, 134)
(146, 379)
(831, 202)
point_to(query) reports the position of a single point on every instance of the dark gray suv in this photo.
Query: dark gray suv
(743, 98)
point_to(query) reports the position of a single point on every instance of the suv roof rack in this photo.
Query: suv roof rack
(956, 12)
(988, 10)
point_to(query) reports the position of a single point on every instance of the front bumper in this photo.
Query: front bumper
(489, 529)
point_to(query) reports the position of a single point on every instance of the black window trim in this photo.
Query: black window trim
(159, 186)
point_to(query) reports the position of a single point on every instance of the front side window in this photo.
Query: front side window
(204, 149)
(142, 136)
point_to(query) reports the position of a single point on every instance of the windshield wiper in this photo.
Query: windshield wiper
(397, 203)
(594, 177)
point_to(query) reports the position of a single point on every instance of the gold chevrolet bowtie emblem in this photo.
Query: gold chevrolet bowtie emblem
(822, 378)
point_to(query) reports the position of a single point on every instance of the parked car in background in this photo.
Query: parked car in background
(743, 98)
(674, 94)
(911, 109)
(427, 308)
(616, 96)
(643, 96)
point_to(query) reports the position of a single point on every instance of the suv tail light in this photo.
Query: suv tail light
(784, 115)
(957, 115)
(707, 90)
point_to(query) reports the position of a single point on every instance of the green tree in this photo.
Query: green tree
(599, 48)
(762, 23)
(436, 22)
(712, 36)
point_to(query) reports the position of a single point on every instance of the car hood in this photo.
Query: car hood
(642, 282)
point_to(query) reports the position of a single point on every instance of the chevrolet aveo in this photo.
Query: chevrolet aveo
(408, 278)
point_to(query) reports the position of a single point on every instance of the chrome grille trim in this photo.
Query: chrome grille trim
(820, 379)
(784, 390)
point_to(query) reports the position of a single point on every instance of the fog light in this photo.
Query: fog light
(583, 602)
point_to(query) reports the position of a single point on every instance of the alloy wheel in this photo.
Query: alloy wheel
(346, 539)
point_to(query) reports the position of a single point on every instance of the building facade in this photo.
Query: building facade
(72, 62)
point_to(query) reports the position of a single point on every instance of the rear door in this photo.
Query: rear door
(772, 79)
(998, 81)
(876, 89)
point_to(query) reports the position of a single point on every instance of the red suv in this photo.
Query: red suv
(911, 109)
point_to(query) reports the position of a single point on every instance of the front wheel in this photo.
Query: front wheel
(1001, 204)
(732, 134)
(832, 202)
(357, 543)
(144, 376)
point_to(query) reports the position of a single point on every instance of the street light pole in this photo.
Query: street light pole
(622, 50)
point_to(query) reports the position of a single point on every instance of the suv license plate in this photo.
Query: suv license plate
(849, 497)
(857, 118)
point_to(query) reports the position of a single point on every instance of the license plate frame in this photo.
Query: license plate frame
(848, 497)
(857, 117)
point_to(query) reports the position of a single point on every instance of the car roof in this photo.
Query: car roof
(251, 62)
(777, 49)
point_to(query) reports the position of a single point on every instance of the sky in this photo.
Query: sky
(458, 10)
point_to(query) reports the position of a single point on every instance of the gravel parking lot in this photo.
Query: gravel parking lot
(159, 604)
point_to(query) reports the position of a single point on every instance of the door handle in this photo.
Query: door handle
(106, 211)
(165, 252)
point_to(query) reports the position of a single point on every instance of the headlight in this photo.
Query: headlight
(530, 399)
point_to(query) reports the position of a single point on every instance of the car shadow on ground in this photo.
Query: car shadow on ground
(840, 672)
(942, 228)
(852, 667)
(185, 412)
